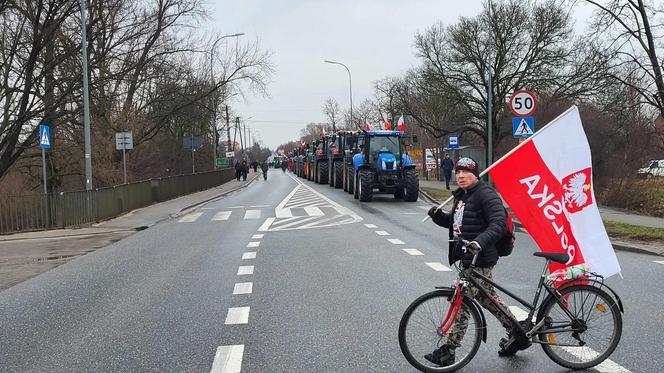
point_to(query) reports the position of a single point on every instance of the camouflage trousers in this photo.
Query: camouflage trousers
(458, 330)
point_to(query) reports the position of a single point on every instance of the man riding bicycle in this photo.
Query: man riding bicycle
(478, 216)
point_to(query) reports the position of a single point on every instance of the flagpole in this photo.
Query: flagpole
(573, 107)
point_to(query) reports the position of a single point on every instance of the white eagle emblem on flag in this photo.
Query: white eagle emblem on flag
(577, 190)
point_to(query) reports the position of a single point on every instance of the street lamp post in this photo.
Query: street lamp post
(350, 84)
(86, 104)
(214, 102)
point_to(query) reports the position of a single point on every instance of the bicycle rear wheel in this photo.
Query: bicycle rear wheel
(590, 337)
(418, 331)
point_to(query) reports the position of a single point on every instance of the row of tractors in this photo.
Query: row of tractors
(362, 163)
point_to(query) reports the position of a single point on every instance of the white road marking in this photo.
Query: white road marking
(266, 224)
(438, 267)
(237, 315)
(283, 213)
(585, 353)
(254, 244)
(396, 241)
(370, 225)
(249, 255)
(222, 215)
(411, 213)
(259, 206)
(659, 261)
(243, 288)
(245, 270)
(382, 233)
(228, 359)
(235, 207)
(424, 207)
(413, 252)
(190, 218)
(313, 211)
(257, 236)
(252, 214)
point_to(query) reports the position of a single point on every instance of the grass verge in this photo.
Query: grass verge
(437, 194)
(635, 232)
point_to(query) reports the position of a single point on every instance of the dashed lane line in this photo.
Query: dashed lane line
(257, 236)
(252, 214)
(190, 218)
(222, 215)
(243, 288)
(438, 267)
(254, 244)
(413, 252)
(396, 241)
(607, 366)
(245, 270)
(228, 359)
(237, 315)
(382, 233)
(250, 255)
(370, 225)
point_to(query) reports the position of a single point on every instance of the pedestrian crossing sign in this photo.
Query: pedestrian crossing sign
(44, 136)
(523, 127)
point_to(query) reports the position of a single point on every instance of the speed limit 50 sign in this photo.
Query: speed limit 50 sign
(522, 103)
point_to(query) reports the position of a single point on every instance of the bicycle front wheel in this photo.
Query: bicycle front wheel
(419, 331)
(587, 338)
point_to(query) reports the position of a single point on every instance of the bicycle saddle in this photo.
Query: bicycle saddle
(556, 257)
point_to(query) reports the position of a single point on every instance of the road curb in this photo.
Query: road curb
(212, 198)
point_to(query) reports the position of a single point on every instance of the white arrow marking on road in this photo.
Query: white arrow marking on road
(382, 233)
(190, 218)
(396, 241)
(257, 236)
(252, 214)
(438, 267)
(243, 288)
(228, 359)
(607, 366)
(245, 270)
(370, 225)
(237, 315)
(413, 252)
(222, 215)
(254, 244)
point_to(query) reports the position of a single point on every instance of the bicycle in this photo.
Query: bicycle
(563, 324)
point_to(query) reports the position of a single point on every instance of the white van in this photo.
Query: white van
(652, 168)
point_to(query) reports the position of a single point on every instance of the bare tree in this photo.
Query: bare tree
(332, 111)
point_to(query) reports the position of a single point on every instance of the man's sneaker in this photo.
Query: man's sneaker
(442, 356)
(509, 347)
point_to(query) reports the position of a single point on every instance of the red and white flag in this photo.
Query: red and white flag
(547, 182)
(386, 124)
(401, 125)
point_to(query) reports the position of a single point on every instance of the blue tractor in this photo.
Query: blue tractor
(382, 165)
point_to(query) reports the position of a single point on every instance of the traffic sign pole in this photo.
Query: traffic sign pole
(46, 209)
(124, 164)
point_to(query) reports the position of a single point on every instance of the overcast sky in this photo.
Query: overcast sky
(374, 38)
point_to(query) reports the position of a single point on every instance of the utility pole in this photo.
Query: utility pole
(86, 104)
(228, 131)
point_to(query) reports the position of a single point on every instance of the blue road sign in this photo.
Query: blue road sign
(44, 136)
(523, 127)
(453, 142)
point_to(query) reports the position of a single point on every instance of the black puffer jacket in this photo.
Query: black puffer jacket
(483, 221)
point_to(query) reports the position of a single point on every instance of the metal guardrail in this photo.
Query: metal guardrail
(71, 209)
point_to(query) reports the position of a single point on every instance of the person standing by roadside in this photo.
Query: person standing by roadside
(447, 165)
(238, 170)
(264, 168)
(245, 170)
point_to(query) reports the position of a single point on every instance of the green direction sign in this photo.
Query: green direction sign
(222, 162)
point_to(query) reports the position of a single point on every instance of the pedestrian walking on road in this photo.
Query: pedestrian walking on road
(447, 165)
(478, 216)
(284, 165)
(245, 170)
(254, 164)
(238, 170)
(264, 168)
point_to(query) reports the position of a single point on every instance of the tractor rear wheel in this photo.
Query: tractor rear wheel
(322, 173)
(366, 179)
(412, 184)
(351, 182)
(338, 174)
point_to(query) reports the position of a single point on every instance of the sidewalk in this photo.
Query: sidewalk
(607, 213)
(25, 255)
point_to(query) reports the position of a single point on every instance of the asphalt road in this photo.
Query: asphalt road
(283, 276)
